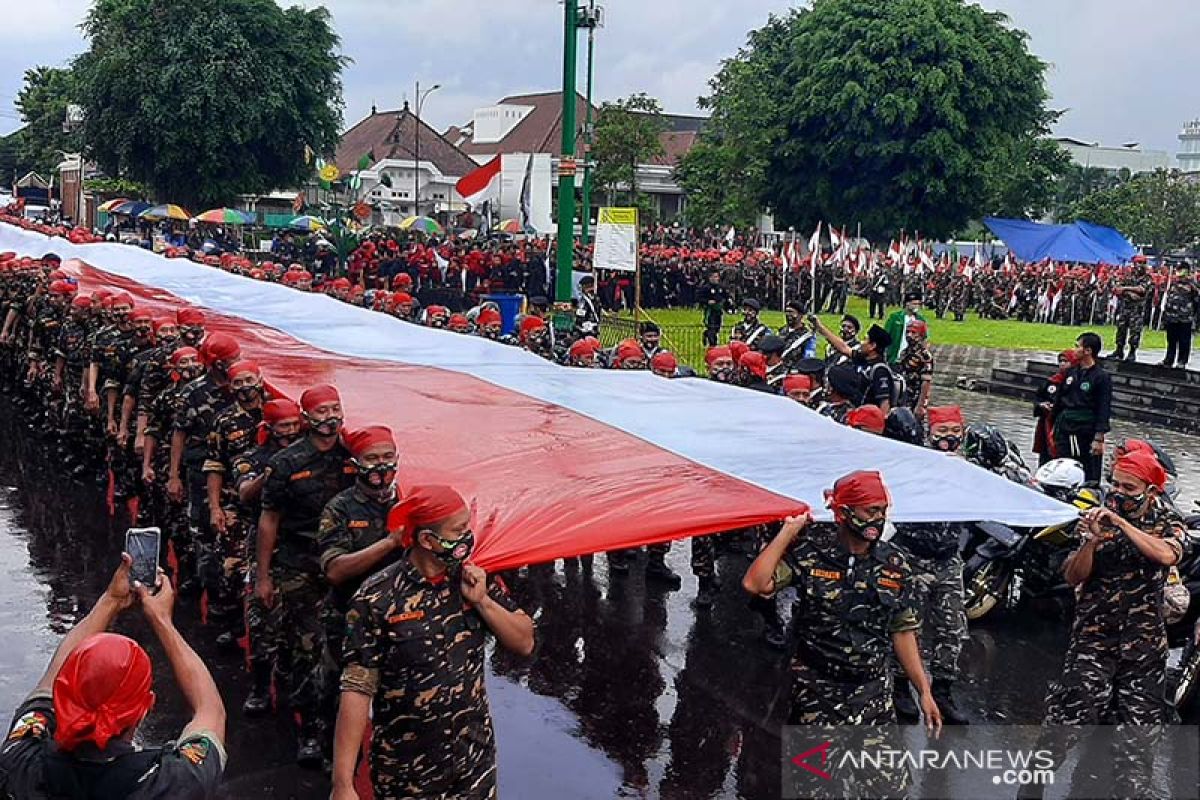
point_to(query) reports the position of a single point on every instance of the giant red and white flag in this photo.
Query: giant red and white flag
(481, 184)
(556, 461)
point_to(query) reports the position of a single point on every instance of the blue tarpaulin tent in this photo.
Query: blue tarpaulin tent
(1081, 242)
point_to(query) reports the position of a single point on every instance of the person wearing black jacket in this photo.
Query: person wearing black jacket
(1083, 408)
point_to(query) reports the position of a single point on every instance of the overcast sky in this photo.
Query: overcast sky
(1125, 70)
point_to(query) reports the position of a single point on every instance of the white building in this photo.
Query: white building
(1189, 147)
(1131, 156)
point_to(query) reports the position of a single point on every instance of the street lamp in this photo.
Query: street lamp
(417, 149)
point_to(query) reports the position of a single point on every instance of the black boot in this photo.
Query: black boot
(708, 592)
(657, 570)
(902, 699)
(308, 752)
(1117, 354)
(618, 562)
(259, 700)
(1132, 354)
(943, 695)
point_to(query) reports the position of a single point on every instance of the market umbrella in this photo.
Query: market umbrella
(130, 208)
(226, 216)
(166, 211)
(511, 226)
(423, 224)
(111, 204)
(307, 223)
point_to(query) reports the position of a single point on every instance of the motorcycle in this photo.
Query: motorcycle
(1183, 671)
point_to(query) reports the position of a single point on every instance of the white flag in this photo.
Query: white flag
(729, 237)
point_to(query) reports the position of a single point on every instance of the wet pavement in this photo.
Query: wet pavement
(631, 693)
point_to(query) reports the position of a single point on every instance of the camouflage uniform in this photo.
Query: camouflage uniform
(960, 297)
(265, 638)
(916, 367)
(71, 349)
(300, 480)
(1117, 653)
(845, 614)
(232, 433)
(414, 646)
(1132, 315)
(937, 594)
(158, 508)
(199, 404)
(836, 411)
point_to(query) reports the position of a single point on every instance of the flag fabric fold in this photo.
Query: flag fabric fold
(481, 184)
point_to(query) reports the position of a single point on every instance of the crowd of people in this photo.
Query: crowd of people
(361, 604)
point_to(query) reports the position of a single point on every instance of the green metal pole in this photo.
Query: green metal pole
(566, 163)
(585, 221)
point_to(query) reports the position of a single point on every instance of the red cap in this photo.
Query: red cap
(122, 299)
(531, 324)
(918, 328)
(319, 395)
(140, 315)
(403, 279)
(102, 690)
(754, 362)
(399, 298)
(862, 488)
(664, 362)
(715, 353)
(159, 322)
(1144, 465)
(489, 316)
(182, 353)
(737, 349)
(459, 319)
(422, 507)
(943, 415)
(797, 383)
(868, 418)
(189, 316)
(629, 348)
(220, 347)
(358, 442)
(81, 301)
(280, 410)
(246, 367)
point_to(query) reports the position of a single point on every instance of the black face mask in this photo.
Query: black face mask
(143, 334)
(189, 373)
(167, 340)
(192, 336)
(722, 375)
(1124, 504)
(453, 553)
(869, 530)
(947, 444)
(284, 441)
(326, 427)
(378, 477)
(248, 394)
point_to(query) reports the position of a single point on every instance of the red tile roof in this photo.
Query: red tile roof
(392, 134)
(541, 129)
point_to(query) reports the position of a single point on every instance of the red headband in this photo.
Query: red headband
(459, 319)
(918, 327)
(489, 316)
(1143, 465)
(102, 690)
(943, 415)
(189, 316)
(244, 368)
(220, 347)
(862, 488)
(280, 410)
(140, 315)
(665, 362)
(422, 507)
(358, 442)
(737, 350)
(715, 353)
(122, 299)
(754, 362)
(161, 322)
(797, 383)
(319, 395)
(531, 324)
(182, 353)
(1070, 356)
(869, 418)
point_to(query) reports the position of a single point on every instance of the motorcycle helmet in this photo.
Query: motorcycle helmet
(984, 445)
(902, 425)
(1060, 478)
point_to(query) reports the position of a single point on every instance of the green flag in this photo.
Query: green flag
(366, 161)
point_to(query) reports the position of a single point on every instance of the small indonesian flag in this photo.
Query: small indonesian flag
(481, 184)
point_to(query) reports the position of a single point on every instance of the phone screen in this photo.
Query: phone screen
(142, 544)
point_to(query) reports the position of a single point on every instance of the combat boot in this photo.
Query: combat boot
(708, 592)
(943, 695)
(308, 752)
(618, 562)
(259, 700)
(657, 570)
(1132, 354)
(902, 699)
(1117, 354)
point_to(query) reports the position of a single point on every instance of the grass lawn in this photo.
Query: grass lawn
(1006, 334)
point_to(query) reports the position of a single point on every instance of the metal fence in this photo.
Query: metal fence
(685, 341)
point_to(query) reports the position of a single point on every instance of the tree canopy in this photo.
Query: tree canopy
(627, 134)
(1158, 208)
(909, 114)
(43, 102)
(203, 101)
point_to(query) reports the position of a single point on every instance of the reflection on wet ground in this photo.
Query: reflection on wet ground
(631, 694)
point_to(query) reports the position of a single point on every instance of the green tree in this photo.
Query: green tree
(202, 101)
(894, 115)
(1023, 177)
(12, 163)
(1078, 181)
(627, 134)
(43, 102)
(1159, 208)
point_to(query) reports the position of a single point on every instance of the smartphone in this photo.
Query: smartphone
(143, 544)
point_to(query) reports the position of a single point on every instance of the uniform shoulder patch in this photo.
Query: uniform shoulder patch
(358, 523)
(32, 724)
(301, 475)
(195, 751)
(242, 467)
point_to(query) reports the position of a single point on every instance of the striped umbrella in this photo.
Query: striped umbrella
(131, 208)
(166, 211)
(308, 223)
(423, 224)
(511, 226)
(227, 216)
(111, 204)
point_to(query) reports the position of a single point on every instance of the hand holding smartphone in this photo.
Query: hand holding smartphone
(143, 545)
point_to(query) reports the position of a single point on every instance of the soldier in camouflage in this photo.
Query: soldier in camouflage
(854, 610)
(1117, 653)
(232, 433)
(299, 481)
(280, 428)
(149, 376)
(124, 463)
(916, 367)
(414, 650)
(69, 355)
(1131, 317)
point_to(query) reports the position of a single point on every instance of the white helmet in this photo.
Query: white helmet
(1060, 476)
